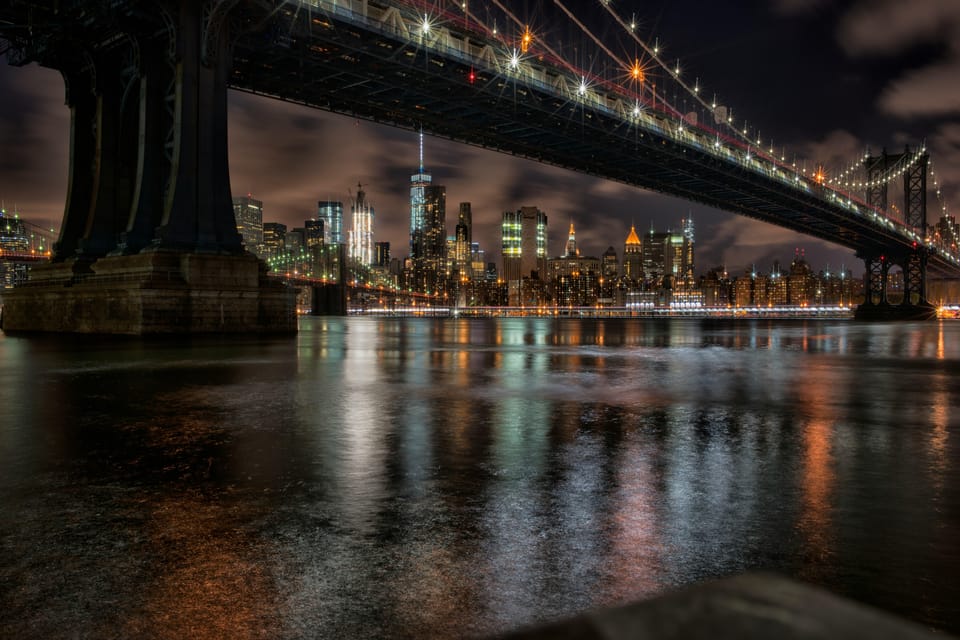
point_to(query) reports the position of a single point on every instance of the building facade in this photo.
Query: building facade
(360, 237)
(249, 215)
(331, 212)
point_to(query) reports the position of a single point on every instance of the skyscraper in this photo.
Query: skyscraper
(571, 242)
(524, 243)
(633, 257)
(686, 277)
(464, 240)
(314, 232)
(331, 212)
(428, 230)
(361, 236)
(249, 215)
(381, 254)
(657, 260)
(274, 236)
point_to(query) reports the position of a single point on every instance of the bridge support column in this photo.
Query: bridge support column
(149, 230)
(913, 261)
(329, 300)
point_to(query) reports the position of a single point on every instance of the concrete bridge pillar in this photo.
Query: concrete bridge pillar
(147, 90)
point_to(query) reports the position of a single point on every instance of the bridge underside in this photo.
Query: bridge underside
(386, 77)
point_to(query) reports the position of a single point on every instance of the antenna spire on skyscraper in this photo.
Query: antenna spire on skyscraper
(421, 148)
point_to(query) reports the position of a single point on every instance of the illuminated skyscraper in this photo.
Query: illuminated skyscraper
(428, 230)
(361, 236)
(331, 212)
(249, 215)
(464, 240)
(684, 274)
(524, 243)
(274, 237)
(633, 257)
(314, 232)
(571, 242)
(657, 260)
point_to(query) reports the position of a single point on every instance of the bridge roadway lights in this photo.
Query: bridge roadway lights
(162, 292)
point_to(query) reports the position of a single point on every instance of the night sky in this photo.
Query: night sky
(823, 79)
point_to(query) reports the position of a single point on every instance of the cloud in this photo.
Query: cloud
(888, 27)
(795, 7)
(34, 136)
(928, 92)
(891, 27)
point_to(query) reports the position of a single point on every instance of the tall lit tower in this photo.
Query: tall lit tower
(686, 275)
(464, 240)
(361, 236)
(571, 242)
(428, 230)
(633, 256)
(419, 182)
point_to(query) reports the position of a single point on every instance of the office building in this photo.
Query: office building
(331, 212)
(249, 215)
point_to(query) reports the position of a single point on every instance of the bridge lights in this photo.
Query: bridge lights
(425, 25)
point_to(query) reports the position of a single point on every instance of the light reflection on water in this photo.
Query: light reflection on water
(435, 478)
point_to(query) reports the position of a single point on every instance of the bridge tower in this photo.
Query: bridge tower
(913, 261)
(149, 242)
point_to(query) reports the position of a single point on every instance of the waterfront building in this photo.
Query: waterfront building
(801, 283)
(743, 291)
(248, 212)
(331, 212)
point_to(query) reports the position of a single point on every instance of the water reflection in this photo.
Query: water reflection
(436, 478)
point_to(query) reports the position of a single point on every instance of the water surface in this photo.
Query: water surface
(441, 477)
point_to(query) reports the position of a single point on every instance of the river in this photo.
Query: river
(418, 477)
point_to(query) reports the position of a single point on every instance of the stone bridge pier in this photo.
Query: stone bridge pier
(149, 242)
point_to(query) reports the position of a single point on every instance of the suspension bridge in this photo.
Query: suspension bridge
(162, 69)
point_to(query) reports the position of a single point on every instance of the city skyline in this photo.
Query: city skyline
(876, 69)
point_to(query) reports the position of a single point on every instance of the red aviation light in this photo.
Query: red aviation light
(472, 76)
